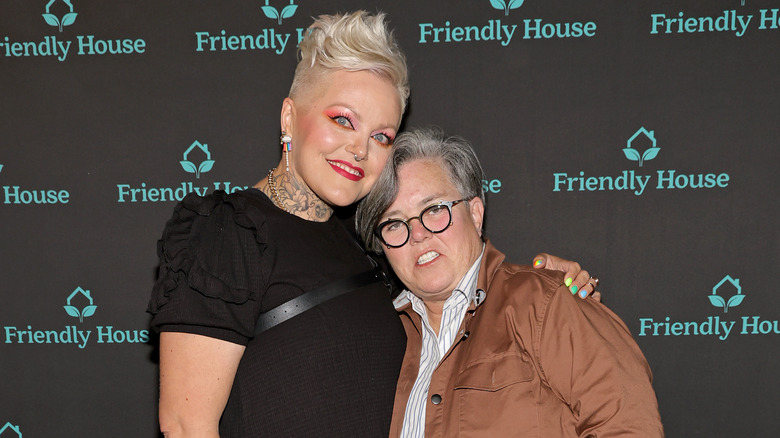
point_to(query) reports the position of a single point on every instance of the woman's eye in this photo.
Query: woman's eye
(393, 226)
(383, 139)
(342, 121)
(435, 210)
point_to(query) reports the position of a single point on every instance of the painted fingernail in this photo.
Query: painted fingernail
(573, 290)
(583, 293)
(568, 282)
(538, 262)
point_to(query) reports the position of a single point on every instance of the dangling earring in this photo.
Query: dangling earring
(286, 141)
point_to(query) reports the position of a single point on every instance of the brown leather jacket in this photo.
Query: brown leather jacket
(532, 361)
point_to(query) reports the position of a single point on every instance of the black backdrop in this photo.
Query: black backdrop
(562, 99)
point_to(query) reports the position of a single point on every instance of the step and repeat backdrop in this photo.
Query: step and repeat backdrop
(637, 137)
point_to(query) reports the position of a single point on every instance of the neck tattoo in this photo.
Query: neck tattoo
(295, 198)
(274, 193)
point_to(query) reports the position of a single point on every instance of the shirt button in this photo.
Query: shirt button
(436, 399)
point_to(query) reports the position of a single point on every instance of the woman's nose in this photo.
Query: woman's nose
(359, 153)
(417, 232)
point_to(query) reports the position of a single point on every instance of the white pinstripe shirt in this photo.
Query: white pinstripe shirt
(435, 347)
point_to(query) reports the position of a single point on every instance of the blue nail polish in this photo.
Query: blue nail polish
(583, 293)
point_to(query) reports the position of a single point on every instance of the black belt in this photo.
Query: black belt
(310, 299)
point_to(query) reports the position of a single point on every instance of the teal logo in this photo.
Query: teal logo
(735, 299)
(12, 431)
(55, 21)
(633, 154)
(74, 311)
(505, 5)
(1, 167)
(204, 165)
(287, 11)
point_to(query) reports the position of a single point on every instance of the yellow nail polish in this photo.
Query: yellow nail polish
(568, 281)
(538, 262)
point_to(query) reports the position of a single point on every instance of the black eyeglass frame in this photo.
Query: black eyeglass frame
(448, 204)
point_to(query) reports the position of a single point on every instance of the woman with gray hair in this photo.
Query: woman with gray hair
(453, 152)
(238, 355)
(493, 349)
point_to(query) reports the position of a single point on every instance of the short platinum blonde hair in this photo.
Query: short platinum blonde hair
(357, 41)
(457, 159)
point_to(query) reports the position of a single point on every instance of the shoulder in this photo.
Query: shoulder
(214, 243)
(216, 215)
(546, 294)
(242, 206)
(534, 296)
(524, 284)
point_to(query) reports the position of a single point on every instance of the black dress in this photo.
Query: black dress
(330, 371)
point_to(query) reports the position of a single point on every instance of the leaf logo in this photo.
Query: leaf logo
(734, 301)
(633, 154)
(204, 166)
(506, 5)
(86, 311)
(53, 20)
(287, 11)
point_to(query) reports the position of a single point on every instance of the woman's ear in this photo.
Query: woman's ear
(477, 211)
(287, 115)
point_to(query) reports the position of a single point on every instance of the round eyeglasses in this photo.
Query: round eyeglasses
(394, 233)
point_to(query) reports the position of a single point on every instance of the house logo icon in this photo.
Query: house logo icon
(286, 12)
(632, 152)
(10, 431)
(506, 5)
(74, 311)
(66, 20)
(723, 287)
(204, 165)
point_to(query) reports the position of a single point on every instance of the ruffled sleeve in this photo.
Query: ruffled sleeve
(211, 279)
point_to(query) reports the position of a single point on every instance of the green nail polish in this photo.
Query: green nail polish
(538, 262)
(573, 290)
(568, 282)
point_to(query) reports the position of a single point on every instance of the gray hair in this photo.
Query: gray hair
(354, 42)
(454, 153)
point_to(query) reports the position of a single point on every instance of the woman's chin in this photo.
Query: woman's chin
(342, 199)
